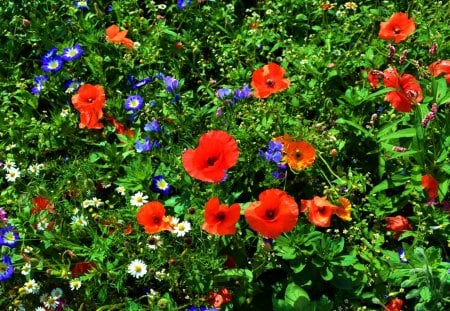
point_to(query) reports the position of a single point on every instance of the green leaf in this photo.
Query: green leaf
(326, 274)
(353, 124)
(412, 294)
(425, 294)
(295, 295)
(346, 260)
(404, 133)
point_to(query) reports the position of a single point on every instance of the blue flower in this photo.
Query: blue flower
(39, 82)
(152, 126)
(50, 53)
(134, 102)
(182, 4)
(243, 93)
(171, 84)
(223, 92)
(137, 84)
(52, 64)
(273, 153)
(143, 146)
(6, 268)
(72, 86)
(195, 308)
(81, 5)
(8, 237)
(402, 256)
(160, 185)
(72, 53)
(109, 8)
(159, 76)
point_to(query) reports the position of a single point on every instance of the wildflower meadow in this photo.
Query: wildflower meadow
(225, 155)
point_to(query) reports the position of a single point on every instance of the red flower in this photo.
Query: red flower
(220, 298)
(41, 204)
(397, 28)
(268, 80)
(114, 35)
(439, 67)
(431, 186)
(319, 211)
(394, 305)
(81, 268)
(397, 224)
(120, 128)
(408, 91)
(219, 218)
(275, 212)
(374, 78)
(152, 217)
(217, 151)
(89, 101)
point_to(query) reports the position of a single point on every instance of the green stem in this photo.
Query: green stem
(329, 168)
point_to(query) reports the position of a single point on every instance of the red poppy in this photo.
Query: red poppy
(268, 80)
(397, 224)
(275, 212)
(408, 91)
(81, 268)
(431, 186)
(397, 28)
(219, 298)
(219, 218)
(120, 128)
(319, 211)
(114, 35)
(374, 77)
(394, 305)
(89, 101)
(41, 204)
(152, 217)
(217, 151)
(440, 67)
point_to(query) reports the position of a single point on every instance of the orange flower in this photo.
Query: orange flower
(397, 224)
(275, 212)
(89, 101)
(430, 184)
(397, 28)
(268, 80)
(439, 67)
(219, 218)
(343, 211)
(114, 35)
(408, 91)
(319, 211)
(297, 154)
(217, 151)
(152, 217)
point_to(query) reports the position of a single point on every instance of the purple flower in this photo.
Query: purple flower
(241, 94)
(52, 64)
(159, 185)
(6, 268)
(143, 146)
(182, 4)
(402, 256)
(3, 215)
(134, 103)
(219, 112)
(223, 92)
(81, 5)
(141, 83)
(50, 53)
(39, 82)
(8, 237)
(71, 86)
(171, 84)
(273, 153)
(72, 53)
(152, 126)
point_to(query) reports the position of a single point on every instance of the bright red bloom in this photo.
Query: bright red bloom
(120, 128)
(374, 78)
(440, 67)
(430, 184)
(41, 204)
(408, 91)
(220, 298)
(217, 151)
(219, 218)
(268, 80)
(114, 35)
(397, 224)
(319, 211)
(152, 217)
(81, 268)
(275, 212)
(397, 28)
(89, 101)
(394, 305)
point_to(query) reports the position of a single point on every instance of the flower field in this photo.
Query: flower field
(225, 155)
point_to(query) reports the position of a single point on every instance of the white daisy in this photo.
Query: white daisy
(139, 199)
(40, 309)
(26, 269)
(31, 287)
(87, 203)
(154, 241)
(51, 302)
(137, 268)
(120, 190)
(9, 165)
(65, 112)
(57, 292)
(96, 202)
(35, 168)
(79, 220)
(75, 284)
(12, 175)
(182, 228)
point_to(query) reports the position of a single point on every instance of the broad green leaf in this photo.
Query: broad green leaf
(404, 133)
(294, 293)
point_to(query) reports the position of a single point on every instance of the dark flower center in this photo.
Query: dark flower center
(90, 99)
(270, 83)
(220, 216)
(211, 161)
(397, 30)
(270, 213)
(156, 220)
(2, 267)
(298, 154)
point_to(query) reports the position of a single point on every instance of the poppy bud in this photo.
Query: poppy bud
(26, 22)
(333, 152)
(179, 45)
